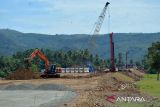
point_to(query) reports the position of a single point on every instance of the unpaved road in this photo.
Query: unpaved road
(90, 91)
(30, 95)
(78, 85)
(30, 98)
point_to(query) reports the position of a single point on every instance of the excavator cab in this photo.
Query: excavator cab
(52, 69)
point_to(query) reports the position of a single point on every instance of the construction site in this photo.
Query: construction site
(39, 78)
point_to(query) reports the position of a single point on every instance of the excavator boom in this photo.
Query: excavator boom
(50, 70)
(41, 56)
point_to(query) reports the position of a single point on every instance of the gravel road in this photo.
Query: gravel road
(28, 95)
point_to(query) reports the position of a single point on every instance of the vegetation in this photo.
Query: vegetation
(149, 85)
(152, 59)
(71, 58)
(8, 64)
(12, 41)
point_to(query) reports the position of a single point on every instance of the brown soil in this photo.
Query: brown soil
(133, 73)
(23, 74)
(91, 90)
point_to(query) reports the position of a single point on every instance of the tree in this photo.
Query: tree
(86, 55)
(60, 58)
(153, 57)
(119, 59)
(34, 68)
(131, 62)
(91, 58)
(145, 64)
(138, 64)
(97, 61)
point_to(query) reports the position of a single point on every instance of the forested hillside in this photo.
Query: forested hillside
(12, 41)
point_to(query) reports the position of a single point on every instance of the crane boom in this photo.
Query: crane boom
(98, 26)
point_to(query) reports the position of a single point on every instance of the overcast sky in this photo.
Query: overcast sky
(79, 16)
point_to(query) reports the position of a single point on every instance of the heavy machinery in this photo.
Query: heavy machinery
(50, 70)
(97, 27)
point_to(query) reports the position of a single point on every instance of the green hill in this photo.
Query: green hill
(12, 41)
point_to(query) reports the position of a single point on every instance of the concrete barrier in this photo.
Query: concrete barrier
(75, 70)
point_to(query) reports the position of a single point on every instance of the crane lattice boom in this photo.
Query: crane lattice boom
(98, 26)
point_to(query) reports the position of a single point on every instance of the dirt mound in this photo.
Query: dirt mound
(119, 77)
(135, 74)
(23, 74)
(138, 73)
